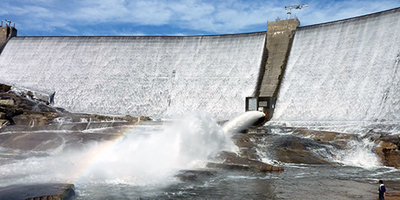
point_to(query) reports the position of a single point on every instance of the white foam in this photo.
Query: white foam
(359, 154)
(145, 156)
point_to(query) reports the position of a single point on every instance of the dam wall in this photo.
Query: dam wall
(343, 71)
(160, 77)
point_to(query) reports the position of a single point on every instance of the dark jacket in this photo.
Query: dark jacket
(382, 189)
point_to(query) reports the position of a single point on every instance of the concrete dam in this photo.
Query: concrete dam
(160, 77)
(339, 71)
(343, 71)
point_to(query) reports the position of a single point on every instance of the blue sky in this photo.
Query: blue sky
(171, 17)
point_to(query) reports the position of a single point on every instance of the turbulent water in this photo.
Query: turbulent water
(144, 154)
(142, 162)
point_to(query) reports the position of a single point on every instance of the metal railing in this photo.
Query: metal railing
(7, 23)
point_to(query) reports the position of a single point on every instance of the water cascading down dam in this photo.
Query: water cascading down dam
(345, 70)
(159, 77)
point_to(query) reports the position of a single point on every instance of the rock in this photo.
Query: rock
(144, 118)
(293, 149)
(388, 150)
(38, 141)
(25, 108)
(392, 189)
(4, 88)
(228, 166)
(338, 139)
(288, 155)
(2, 115)
(231, 161)
(297, 145)
(34, 119)
(22, 111)
(81, 117)
(24, 103)
(7, 102)
(17, 105)
(3, 123)
(195, 175)
(248, 144)
(392, 195)
(288, 149)
(44, 97)
(387, 145)
(393, 139)
(49, 191)
(259, 168)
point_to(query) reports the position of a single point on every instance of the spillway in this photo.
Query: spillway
(160, 77)
(343, 71)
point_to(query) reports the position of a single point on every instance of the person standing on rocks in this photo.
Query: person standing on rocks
(382, 190)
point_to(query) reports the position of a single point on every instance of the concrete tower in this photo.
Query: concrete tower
(278, 42)
(6, 32)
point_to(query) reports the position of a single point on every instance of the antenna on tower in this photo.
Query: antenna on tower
(289, 8)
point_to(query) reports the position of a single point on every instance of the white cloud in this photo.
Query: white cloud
(227, 16)
(201, 15)
(319, 12)
(104, 11)
(150, 13)
(191, 10)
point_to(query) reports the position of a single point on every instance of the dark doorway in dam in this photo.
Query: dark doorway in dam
(263, 104)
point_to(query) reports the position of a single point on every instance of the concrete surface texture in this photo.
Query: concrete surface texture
(6, 32)
(344, 71)
(160, 77)
(279, 41)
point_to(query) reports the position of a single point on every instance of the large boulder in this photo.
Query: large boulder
(388, 150)
(195, 175)
(34, 118)
(53, 191)
(340, 140)
(282, 148)
(38, 141)
(20, 110)
(4, 88)
(31, 110)
(293, 149)
(296, 147)
(44, 97)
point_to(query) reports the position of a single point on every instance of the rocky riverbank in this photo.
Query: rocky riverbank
(26, 110)
(53, 191)
(25, 119)
(299, 147)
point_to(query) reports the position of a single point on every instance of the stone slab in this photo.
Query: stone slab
(8, 102)
(38, 191)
